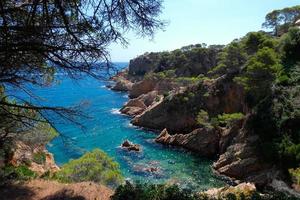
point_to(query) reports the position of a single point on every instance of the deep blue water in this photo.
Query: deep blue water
(106, 129)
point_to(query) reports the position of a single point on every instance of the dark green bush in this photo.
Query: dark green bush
(151, 192)
(94, 166)
(21, 172)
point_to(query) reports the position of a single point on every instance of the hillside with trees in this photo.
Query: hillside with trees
(239, 102)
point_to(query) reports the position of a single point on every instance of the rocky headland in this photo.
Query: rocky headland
(206, 114)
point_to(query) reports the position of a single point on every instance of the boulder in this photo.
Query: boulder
(122, 85)
(133, 107)
(132, 111)
(136, 103)
(203, 141)
(247, 189)
(149, 98)
(142, 87)
(130, 146)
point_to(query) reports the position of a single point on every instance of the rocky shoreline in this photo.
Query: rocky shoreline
(168, 107)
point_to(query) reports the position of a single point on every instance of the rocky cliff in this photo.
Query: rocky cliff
(172, 108)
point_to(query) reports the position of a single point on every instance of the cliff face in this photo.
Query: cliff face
(178, 111)
(37, 157)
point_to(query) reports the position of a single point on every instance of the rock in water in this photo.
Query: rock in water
(130, 146)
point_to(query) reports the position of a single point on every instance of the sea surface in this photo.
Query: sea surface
(106, 128)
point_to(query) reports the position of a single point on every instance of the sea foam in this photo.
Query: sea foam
(115, 111)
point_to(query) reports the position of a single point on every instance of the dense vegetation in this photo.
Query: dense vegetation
(189, 61)
(164, 192)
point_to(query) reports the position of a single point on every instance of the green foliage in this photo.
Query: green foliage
(290, 47)
(295, 175)
(93, 166)
(254, 41)
(289, 152)
(39, 158)
(167, 74)
(187, 80)
(281, 20)
(151, 192)
(165, 192)
(261, 71)
(231, 59)
(189, 61)
(227, 119)
(203, 119)
(21, 172)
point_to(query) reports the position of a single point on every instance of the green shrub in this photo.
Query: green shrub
(39, 158)
(289, 152)
(21, 172)
(93, 166)
(295, 175)
(203, 119)
(227, 119)
(151, 192)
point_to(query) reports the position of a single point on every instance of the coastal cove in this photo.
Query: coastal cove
(106, 128)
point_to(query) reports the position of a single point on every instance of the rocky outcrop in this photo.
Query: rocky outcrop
(130, 146)
(178, 112)
(150, 98)
(122, 84)
(245, 189)
(241, 160)
(133, 107)
(26, 154)
(171, 114)
(202, 141)
(138, 105)
(224, 96)
(142, 87)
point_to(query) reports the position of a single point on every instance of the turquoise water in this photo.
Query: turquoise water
(106, 129)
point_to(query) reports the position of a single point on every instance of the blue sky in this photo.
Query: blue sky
(200, 21)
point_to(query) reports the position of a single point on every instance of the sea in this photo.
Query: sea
(104, 127)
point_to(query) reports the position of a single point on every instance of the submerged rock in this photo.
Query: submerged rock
(145, 170)
(130, 146)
